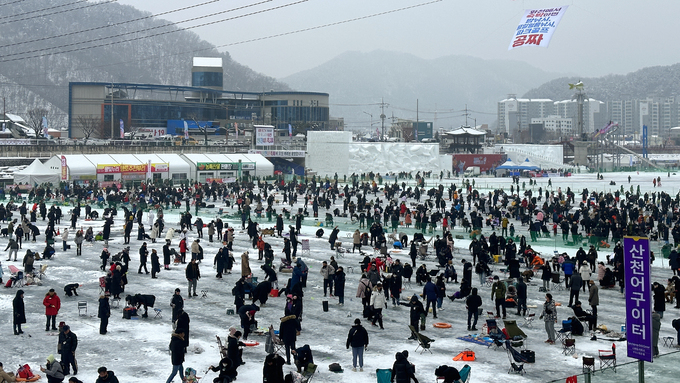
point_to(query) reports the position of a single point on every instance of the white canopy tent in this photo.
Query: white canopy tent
(36, 173)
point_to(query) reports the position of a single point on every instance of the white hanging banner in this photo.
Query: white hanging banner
(537, 27)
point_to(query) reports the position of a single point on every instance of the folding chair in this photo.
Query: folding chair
(42, 271)
(668, 341)
(557, 281)
(495, 334)
(384, 375)
(309, 372)
(529, 320)
(517, 361)
(423, 342)
(159, 313)
(565, 332)
(608, 358)
(102, 285)
(516, 336)
(569, 347)
(588, 364)
(82, 306)
(276, 341)
(221, 347)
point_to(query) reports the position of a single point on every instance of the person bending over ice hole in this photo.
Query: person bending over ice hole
(227, 372)
(70, 289)
(138, 300)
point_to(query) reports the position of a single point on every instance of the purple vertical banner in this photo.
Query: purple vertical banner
(638, 297)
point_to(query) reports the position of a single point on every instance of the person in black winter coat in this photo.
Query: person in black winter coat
(143, 256)
(402, 370)
(270, 275)
(473, 303)
(339, 284)
(303, 357)
(177, 351)
(234, 351)
(227, 372)
(450, 374)
(183, 324)
(155, 264)
(247, 315)
(177, 304)
(416, 312)
(333, 237)
(288, 330)
(68, 351)
(261, 292)
(272, 371)
(19, 312)
(106, 376)
(103, 313)
(659, 294)
(521, 297)
(358, 340)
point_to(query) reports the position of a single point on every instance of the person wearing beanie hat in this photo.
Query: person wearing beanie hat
(358, 340)
(53, 370)
(52, 305)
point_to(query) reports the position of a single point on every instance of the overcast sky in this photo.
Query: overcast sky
(594, 38)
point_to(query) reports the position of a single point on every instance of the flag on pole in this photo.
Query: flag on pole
(186, 130)
(236, 128)
(122, 129)
(377, 133)
(44, 126)
(537, 27)
(415, 132)
(290, 130)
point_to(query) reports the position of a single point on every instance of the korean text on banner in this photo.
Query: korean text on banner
(537, 27)
(64, 169)
(638, 297)
(264, 136)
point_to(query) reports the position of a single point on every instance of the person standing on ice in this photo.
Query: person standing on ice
(358, 340)
(177, 352)
(549, 316)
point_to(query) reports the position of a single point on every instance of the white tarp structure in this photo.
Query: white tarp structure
(84, 167)
(335, 152)
(36, 173)
(204, 167)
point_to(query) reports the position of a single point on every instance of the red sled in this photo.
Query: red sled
(274, 293)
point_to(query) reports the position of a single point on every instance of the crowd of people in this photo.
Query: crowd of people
(380, 216)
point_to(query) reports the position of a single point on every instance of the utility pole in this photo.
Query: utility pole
(382, 117)
(112, 110)
(417, 116)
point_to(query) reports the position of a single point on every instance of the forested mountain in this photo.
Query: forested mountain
(445, 84)
(33, 72)
(657, 81)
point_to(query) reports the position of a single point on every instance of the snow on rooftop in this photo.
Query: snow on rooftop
(208, 61)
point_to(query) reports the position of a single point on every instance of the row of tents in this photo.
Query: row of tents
(526, 165)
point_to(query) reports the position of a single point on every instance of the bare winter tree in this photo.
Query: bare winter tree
(34, 120)
(89, 125)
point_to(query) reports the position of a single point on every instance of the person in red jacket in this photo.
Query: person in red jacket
(52, 305)
(183, 249)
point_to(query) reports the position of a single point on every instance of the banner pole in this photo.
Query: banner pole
(641, 371)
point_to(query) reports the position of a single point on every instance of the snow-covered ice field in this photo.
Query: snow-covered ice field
(137, 350)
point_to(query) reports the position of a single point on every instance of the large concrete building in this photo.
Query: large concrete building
(516, 114)
(99, 108)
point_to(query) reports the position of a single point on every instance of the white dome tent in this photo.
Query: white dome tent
(35, 174)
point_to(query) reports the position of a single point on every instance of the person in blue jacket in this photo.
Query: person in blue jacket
(430, 294)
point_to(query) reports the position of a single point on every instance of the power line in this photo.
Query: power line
(149, 58)
(12, 2)
(41, 10)
(62, 11)
(117, 24)
(147, 29)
